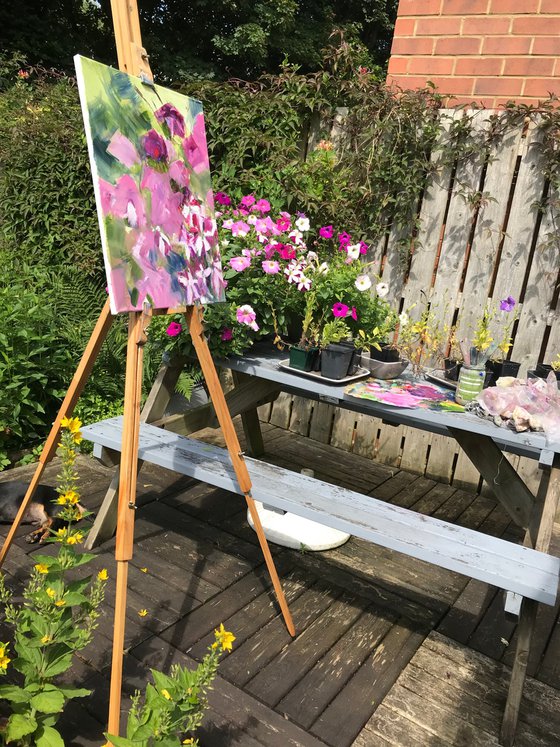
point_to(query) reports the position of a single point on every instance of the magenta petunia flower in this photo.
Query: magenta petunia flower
(172, 118)
(226, 335)
(284, 222)
(154, 146)
(326, 232)
(222, 199)
(271, 267)
(363, 247)
(247, 201)
(174, 329)
(240, 263)
(344, 240)
(340, 309)
(507, 304)
(354, 314)
(287, 252)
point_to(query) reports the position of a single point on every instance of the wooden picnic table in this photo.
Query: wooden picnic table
(528, 573)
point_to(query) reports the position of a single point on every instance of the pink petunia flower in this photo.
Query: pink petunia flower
(226, 335)
(271, 267)
(363, 247)
(174, 329)
(247, 201)
(240, 263)
(262, 206)
(246, 315)
(284, 222)
(354, 314)
(287, 252)
(240, 228)
(303, 283)
(326, 232)
(340, 309)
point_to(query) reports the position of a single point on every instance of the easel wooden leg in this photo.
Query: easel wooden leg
(127, 503)
(194, 322)
(74, 390)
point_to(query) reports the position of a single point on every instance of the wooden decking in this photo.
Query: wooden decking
(389, 651)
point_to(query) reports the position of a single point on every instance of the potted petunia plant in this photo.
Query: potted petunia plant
(272, 262)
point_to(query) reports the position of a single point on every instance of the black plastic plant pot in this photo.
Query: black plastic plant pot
(388, 353)
(303, 359)
(335, 361)
(452, 366)
(356, 356)
(542, 370)
(497, 369)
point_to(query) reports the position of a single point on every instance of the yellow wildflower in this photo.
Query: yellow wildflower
(70, 497)
(41, 568)
(61, 500)
(166, 694)
(224, 638)
(51, 593)
(71, 424)
(144, 570)
(103, 575)
(76, 538)
(46, 639)
(61, 534)
(77, 437)
(142, 613)
(59, 603)
(4, 661)
(190, 740)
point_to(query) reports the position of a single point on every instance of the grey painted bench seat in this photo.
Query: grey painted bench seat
(495, 561)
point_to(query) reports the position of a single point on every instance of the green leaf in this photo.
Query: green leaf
(121, 741)
(19, 726)
(51, 701)
(14, 694)
(49, 737)
(75, 692)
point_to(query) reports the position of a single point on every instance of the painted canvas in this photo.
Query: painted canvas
(151, 175)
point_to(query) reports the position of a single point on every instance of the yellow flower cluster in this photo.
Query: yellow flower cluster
(69, 538)
(51, 593)
(73, 425)
(70, 498)
(103, 575)
(224, 639)
(41, 568)
(4, 660)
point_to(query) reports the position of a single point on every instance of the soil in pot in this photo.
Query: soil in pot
(335, 361)
(497, 369)
(303, 359)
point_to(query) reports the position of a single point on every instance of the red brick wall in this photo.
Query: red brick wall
(487, 51)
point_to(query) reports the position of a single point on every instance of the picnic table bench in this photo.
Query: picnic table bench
(527, 572)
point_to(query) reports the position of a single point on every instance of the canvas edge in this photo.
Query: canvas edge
(95, 179)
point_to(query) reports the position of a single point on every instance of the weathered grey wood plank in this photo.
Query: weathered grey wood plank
(509, 566)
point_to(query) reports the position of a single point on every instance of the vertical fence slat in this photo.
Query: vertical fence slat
(539, 293)
(488, 230)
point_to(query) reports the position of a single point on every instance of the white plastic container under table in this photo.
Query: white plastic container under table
(290, 530)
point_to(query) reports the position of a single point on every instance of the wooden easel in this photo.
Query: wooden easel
(133, 59)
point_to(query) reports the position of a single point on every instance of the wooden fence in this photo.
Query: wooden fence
(482, 235)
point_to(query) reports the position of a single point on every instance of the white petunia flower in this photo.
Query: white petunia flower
(353, 251)
(363, 283)
(382, 289)
(302, 223)
(403, 319)
(323, 268)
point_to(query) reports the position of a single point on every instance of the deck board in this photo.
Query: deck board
(366, 666)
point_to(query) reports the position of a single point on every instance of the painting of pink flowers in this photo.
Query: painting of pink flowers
(149, 162)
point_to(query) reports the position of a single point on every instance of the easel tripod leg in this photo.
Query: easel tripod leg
(78, 382)
(194, 323)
